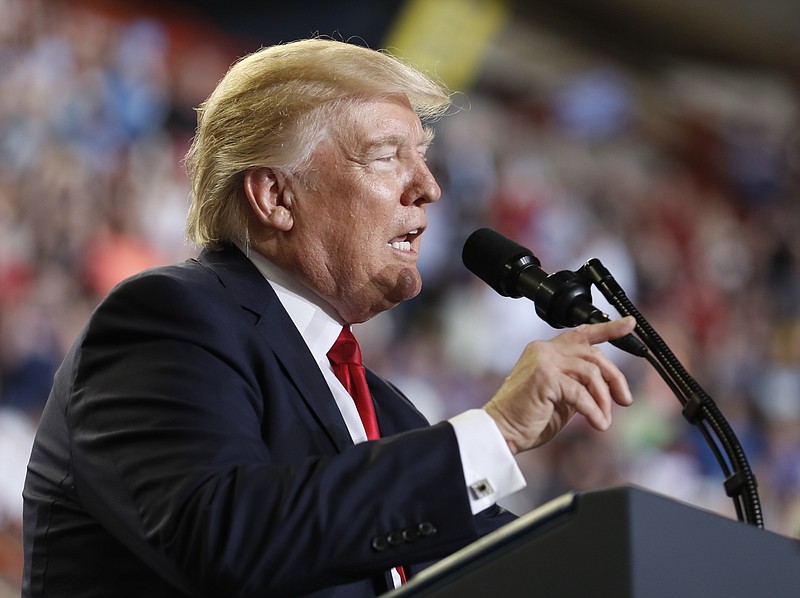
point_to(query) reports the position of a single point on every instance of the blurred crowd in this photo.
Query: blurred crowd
(686, 186)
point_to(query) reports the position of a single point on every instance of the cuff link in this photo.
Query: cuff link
(481, 489)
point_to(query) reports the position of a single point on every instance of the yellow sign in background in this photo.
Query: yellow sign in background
(446, 38)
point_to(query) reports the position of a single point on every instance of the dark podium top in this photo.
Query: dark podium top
(618, 542)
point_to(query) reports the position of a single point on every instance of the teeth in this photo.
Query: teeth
(402, 245)
(413, 232)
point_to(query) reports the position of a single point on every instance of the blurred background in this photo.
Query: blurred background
(660, 137)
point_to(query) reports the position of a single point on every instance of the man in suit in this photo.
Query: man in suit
(197, 441)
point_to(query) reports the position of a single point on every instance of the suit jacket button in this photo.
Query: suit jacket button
(410, 534)
(379, 543)
(395, 538)
(426, 528)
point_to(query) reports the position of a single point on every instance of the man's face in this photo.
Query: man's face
(359, 215)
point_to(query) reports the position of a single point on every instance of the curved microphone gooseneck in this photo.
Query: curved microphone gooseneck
(699, 409)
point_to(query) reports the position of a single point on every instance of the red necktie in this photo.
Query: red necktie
(345, 358)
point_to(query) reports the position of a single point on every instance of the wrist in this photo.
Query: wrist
(507, 430)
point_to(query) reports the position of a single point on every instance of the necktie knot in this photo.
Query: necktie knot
(346, 349)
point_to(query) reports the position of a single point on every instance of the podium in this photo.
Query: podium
(618, 542)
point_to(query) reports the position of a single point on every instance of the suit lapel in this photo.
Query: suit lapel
(254, 293)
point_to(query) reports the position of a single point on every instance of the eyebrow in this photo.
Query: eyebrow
(394, 140)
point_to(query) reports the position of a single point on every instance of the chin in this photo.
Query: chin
(409, 284)
(406, 285)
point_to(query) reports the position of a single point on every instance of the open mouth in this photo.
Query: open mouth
(403, 242)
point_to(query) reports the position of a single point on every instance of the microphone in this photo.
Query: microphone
(562, 299)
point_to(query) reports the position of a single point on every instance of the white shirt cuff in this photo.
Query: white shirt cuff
(490, 470)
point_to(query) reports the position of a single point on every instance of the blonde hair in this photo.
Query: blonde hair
(271, 109)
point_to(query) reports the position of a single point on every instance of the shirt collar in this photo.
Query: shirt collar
(314, 318)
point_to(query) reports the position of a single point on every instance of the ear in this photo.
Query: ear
(270, 198)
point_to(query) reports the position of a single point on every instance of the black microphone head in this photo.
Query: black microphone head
(495, 259)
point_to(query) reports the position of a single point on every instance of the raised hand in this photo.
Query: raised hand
(553, 380)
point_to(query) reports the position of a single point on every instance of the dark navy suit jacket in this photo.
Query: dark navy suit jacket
(191, 447)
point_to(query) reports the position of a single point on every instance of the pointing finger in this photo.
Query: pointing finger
(600, 333)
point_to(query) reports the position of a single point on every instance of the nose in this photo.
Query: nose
(423, 188)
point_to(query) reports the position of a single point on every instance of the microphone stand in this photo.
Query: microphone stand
(699, 409)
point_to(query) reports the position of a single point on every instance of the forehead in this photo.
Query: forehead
(381, 121)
